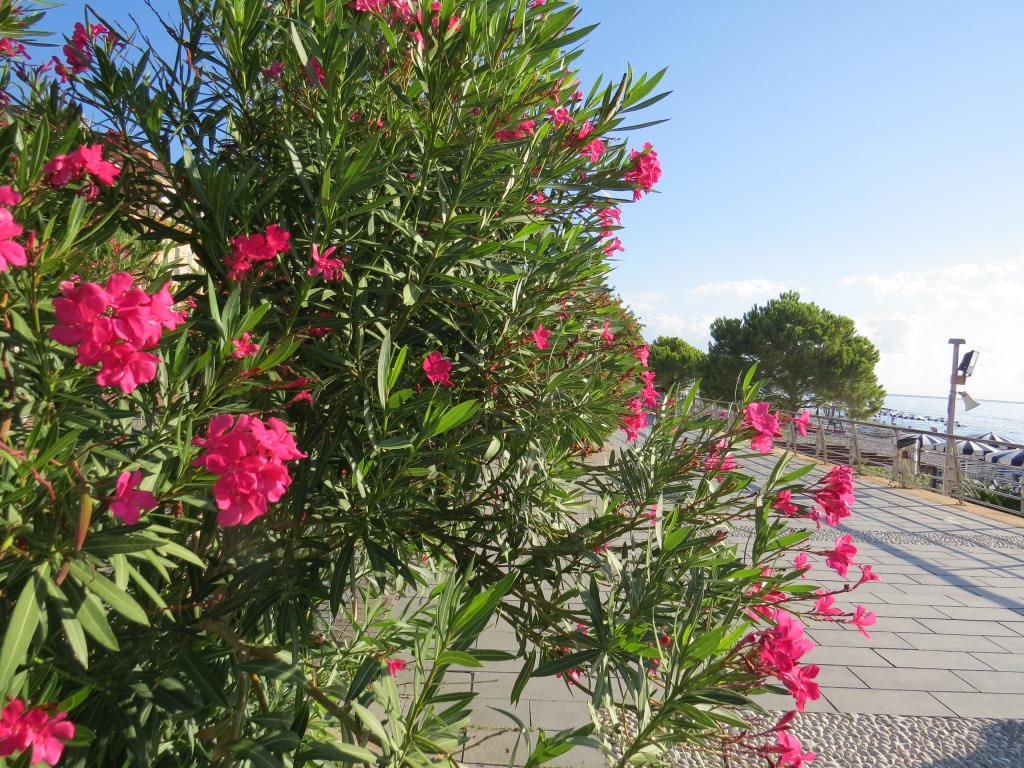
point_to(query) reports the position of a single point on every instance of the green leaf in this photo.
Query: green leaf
(458, 658)
(93, 618)
(566, 662)
(383, 366)
(257, 754)
(337, 750)
(22, 625)
(103, 587)
(450, 419)
(201, 676)
(72, 628)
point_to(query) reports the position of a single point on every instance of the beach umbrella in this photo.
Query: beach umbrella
(992, 436)
(1013, 457)
(972, 448)
(931, 442)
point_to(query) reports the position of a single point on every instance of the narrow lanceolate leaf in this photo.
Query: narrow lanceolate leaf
(451, 418)
(21, 627)
(104, 588)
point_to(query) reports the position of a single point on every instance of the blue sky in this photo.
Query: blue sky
(869, 155)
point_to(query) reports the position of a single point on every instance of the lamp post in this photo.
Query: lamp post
(952, 465)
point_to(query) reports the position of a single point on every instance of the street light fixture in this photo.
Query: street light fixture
(958, 377)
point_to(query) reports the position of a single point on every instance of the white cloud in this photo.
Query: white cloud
(693, 330)
(743, 289)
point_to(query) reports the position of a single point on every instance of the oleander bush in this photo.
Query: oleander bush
(307, 338)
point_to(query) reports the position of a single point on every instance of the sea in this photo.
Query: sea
(1003, 417)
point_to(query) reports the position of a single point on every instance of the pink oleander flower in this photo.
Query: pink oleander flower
(641, 353)
(249, 457)
(784, 504)
(756, 416)
(611, 246)
(10, 49)
(841, 558)
(315, 73)
(12, 254)
(633, 423)
(866, 574)
(560, 116)
(128, 504)
(593, 150)
(863, 618)
(826, 605)
(649, 394)
(8, 196)
(784, 644)
(112, 326)
(244, 347)
(836, 495)
(438, 369)
(606, 334)
(331, 269)
(274, 70)
(801, 564)
(610, 217)
(801, 422)
(247, 250)
(718, 460)
(646, 170)
(21, 729)
(789, 751)
(79, 165)
(537, 198)
(526, 128)
(395, 666)
(801, 684)
(540, 337)
(586, 129)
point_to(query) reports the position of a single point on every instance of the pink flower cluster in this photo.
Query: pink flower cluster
(782, 646)
(521, 131)
(12, 254)
(247, 250)
(250, 458)
(84, 163)
(649, 394)
(646, 170)
(112, 326)
(400, 11)
(718, 460)
(128, 504)
(836, 496)
(78, 53)
(790, 751)
(637, 420)
(757, 417)
(244, 347)
(21, 729)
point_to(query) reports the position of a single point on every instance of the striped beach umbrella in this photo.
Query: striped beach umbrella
(931, 442)
(973, 448)
(991, 436)
(1013, 457)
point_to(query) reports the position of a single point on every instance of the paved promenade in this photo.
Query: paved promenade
(941, 684)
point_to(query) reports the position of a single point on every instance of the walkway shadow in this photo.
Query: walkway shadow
(1001, 744)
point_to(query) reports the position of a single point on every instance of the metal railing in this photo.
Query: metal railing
(901, 454)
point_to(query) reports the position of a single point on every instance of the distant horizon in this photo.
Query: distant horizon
(946, 397)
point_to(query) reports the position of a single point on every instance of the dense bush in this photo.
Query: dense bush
(313, 314)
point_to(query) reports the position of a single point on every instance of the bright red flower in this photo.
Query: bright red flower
(8, 196)
(331, 269)
(438, 369)
(395, 666)
(247, 250)
(274, 70)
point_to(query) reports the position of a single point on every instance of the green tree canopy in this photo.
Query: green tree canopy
(675, 361)
(805, 356)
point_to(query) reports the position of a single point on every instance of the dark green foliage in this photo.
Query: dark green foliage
(805, 356)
